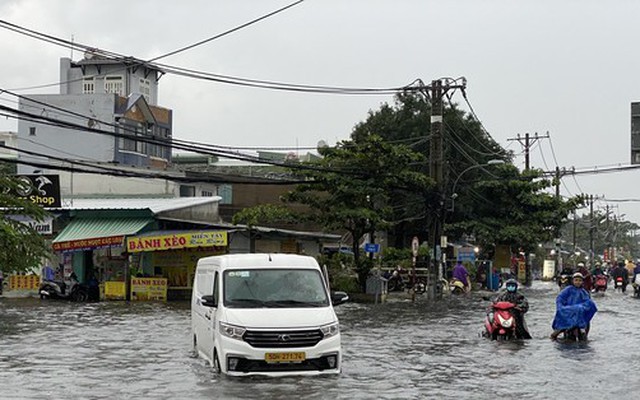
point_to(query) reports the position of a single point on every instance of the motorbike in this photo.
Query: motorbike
(600, 283)
(564, 280)
(636, 286)
(74, 290)
(396, 281)
(500, 323)
(456, 287)
(575, 334)
(619, 283)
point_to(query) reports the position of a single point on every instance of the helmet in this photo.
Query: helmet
(580, 264)
(511, 285)
(578, 275)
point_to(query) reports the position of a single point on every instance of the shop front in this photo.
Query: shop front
(172, 256)
(94, 249)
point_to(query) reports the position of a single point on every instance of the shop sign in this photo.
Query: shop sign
(43, 190)
(114, 290)
(44, 227)
(24, 282)
(149, 289)
(88, 243)
(177, 241)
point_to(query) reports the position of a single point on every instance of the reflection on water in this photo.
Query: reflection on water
(395, 350)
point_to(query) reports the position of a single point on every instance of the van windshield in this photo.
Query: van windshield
(274, 288)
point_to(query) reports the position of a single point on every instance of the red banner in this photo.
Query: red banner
(89, 243)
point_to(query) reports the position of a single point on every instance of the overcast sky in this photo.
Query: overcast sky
(571, 68)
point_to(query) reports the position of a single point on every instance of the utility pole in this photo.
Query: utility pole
(528, 142)
(435, 93)
(591, 231)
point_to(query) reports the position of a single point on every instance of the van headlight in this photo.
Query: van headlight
(330, 330)
(232, 331)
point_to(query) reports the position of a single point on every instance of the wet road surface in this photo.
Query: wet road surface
(397, 350)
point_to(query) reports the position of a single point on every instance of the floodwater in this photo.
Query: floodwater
(397, 350)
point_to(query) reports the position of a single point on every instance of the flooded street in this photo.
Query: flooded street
(112, 350)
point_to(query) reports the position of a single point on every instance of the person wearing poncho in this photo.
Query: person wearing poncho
(574, 308)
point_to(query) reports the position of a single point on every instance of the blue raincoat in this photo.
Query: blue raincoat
(574, 309)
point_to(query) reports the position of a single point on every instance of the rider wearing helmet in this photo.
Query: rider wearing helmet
(620, 271)
(511, 295)
(574, 307)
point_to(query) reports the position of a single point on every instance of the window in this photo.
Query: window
(145, 89)
(114, 84)
(88, 85)
(32, 131)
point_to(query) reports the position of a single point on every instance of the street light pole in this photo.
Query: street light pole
(455, 183)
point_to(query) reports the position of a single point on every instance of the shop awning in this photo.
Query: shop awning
(89, 233)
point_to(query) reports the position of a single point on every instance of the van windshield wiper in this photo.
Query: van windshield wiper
(248, 302)
(297, 303)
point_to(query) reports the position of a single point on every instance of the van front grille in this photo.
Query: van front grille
(283, 339)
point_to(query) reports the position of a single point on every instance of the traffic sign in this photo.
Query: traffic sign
(372, 247)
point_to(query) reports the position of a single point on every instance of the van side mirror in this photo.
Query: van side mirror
(209, 301)
(338, 298)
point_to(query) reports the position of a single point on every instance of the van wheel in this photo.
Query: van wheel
(216, 363)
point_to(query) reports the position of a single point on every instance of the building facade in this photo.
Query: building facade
(108, 113)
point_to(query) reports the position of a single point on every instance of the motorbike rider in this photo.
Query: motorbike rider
(511, 295)
(588, 282)
(597, 270)
(620, 271)
(636, 271)
(574, 308)
(567, 271)
(460, 273)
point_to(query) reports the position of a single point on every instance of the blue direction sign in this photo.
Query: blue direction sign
(466, 254)
(372, 247)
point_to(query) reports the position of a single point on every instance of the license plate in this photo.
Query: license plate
(284, 357)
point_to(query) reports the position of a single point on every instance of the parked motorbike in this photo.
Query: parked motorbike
(399, 280)
(500, 323)
(74, 290)
(600, 283)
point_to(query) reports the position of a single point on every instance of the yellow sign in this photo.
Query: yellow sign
(177, 241)
(149, 289)
(114, 290)
(522, 271)
(24, 282)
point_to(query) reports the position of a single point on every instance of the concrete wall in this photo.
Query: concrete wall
(62, 142)
(91, 185)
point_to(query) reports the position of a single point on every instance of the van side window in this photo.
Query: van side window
(215, 288)
(205, 283)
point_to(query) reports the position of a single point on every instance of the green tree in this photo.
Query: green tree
(355, 186)
(21, 247)
(510, 208)
(608, 231)
(408, 120)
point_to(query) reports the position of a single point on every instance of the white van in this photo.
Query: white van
(266, 314)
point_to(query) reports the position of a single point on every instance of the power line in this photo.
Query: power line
(185, 72)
